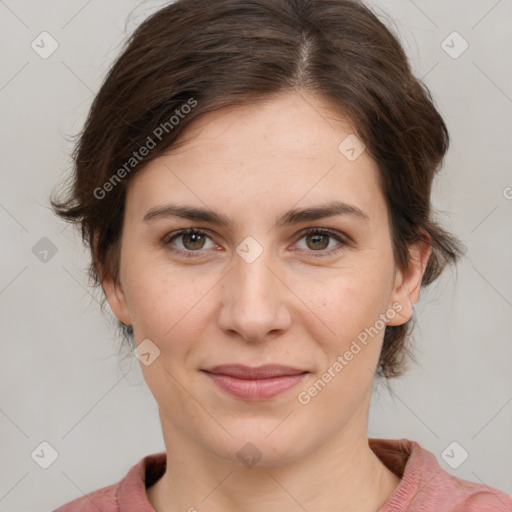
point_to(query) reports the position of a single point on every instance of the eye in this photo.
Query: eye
(319, 239)
(192, 240)
(188, 241)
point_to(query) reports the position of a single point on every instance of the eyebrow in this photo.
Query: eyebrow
(290, 217)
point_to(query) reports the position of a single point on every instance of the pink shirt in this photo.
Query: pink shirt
(425, 486)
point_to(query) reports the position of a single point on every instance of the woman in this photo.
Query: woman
(254, 184)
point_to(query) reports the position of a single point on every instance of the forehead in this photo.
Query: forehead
(270, 154)
(294, 125)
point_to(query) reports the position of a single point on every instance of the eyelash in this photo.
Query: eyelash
(190, 254)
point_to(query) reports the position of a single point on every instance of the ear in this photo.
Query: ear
(116, 299)
(407, 284)
(114, 293)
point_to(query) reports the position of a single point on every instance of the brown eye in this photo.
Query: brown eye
(193, 241)
(188, 241)
(317, 241)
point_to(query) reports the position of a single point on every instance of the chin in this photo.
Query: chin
(260, 444)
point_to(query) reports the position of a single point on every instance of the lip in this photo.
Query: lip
(255, 383)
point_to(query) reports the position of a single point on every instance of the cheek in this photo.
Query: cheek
(153, 296)
(168, 310)
(173, 307)
(350, 302)
(161, 304)
(347, 299)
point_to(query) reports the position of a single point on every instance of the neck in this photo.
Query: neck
(342, 474)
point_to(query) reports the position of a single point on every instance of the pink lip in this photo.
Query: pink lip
(255, 383)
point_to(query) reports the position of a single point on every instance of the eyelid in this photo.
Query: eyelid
(339, 236)
(344, 240)
(175, 234)
(166, 241)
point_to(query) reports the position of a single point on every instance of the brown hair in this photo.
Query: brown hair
(209, 55)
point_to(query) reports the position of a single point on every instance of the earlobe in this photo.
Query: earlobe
(408, 281)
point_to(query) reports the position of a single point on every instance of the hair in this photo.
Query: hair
(193, 57)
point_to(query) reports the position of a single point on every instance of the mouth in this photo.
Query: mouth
(255, 383)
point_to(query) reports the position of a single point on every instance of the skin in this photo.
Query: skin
(299, 304)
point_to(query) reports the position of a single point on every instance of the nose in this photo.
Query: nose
(254, 299)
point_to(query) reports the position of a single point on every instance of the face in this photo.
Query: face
(265, 284)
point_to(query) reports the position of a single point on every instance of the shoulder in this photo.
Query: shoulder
(425, 485)
(442, 490)
(460, 495)
(103, 499)
(495, 501)
(125, 496)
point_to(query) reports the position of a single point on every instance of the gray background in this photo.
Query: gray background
(61, 376)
